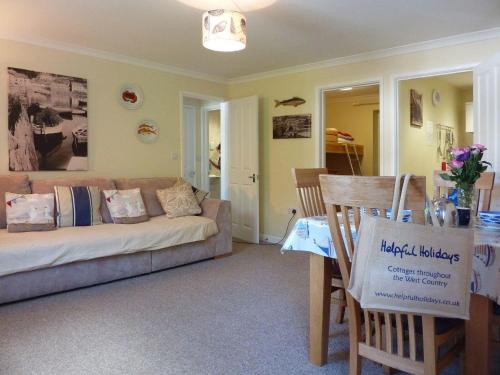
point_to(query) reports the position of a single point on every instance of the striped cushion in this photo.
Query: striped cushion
(77, 206)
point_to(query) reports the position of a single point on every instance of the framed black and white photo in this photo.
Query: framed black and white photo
(293, 126)
(47, 123)
(416, 110)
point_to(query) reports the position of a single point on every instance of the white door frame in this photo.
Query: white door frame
(192, 95)
(395, 90)
(319, 123)
(187, 152)
(205, 184)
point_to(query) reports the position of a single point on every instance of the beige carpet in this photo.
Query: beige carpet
(244, 314)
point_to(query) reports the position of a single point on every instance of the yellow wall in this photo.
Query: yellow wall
(416, 154)
(277, 157)
(114, 149)
(467, 95)
(356, 120)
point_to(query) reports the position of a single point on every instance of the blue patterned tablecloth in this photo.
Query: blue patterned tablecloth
(312, 234)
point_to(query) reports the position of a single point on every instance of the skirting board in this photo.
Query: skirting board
(270, 238)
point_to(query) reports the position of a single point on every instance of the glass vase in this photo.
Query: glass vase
(465, 199)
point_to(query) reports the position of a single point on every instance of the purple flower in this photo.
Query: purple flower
(461, 153)
(478, 146)
(456, 164)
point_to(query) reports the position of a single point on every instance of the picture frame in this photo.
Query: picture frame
(416, 109)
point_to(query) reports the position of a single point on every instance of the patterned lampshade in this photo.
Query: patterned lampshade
(224, 30)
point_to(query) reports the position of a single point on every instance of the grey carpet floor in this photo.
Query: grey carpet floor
(244, 314)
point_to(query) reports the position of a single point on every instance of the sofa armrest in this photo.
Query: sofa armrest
(220, 211)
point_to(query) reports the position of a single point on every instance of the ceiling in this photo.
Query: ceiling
(286, 33)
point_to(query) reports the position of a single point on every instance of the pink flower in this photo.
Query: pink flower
(478, 146)
(456, 164)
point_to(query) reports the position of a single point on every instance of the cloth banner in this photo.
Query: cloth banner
(422, 269)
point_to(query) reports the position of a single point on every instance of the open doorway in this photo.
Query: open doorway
(213, 117)
(201, 142)
(352, 130)
(435, 113)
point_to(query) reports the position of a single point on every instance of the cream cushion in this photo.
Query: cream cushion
(179, 200)
(13, 184)
(29, 212)
(126, 206)
(34, 250)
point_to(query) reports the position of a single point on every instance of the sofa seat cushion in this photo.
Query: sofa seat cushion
(34, 250)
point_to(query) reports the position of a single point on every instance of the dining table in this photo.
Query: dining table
(312, 235)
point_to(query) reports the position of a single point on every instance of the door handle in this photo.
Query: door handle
(252, 177)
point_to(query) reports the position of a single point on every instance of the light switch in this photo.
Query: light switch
(174, 156)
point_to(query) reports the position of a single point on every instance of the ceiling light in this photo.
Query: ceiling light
(224, 30)
(241, 5)
(345, 89)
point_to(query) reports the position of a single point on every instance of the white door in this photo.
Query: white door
(487, 116)
(240, 165)
(189, 144)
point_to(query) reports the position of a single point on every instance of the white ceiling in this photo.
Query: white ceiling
(285, 34)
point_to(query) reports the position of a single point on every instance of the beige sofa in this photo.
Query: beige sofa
(35, 264)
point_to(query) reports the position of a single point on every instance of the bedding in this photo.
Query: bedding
(35, 250)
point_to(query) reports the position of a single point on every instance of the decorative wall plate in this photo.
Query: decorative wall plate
(436, 97)
(148, 131)
(131, 96)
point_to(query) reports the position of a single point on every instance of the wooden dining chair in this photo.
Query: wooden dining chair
(390, 338)
(484, 187)
(311, 204)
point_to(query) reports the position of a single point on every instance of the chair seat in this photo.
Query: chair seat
(336, 270)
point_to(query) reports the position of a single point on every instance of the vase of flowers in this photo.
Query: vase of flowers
(466, 166)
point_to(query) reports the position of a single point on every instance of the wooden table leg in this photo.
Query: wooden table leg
(478, 336)
(320, 282)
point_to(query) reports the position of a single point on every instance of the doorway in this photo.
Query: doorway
(201, 141)
(351, 122)
(435, 113)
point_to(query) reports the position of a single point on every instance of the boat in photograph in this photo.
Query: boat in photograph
(47, 139)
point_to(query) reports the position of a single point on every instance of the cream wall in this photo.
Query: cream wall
(277, 157)
(467, 95)
(114, 149)
(357, 120)
(416, 154)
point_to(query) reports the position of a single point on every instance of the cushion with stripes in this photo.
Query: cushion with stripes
(77, 206)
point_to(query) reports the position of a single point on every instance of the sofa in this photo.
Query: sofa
(33, 264)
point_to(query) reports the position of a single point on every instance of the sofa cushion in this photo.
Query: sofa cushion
(148, 188)
(126, 206)
(35, 250)
(29, 212)
(15, 183)
(47, 186)
(78, 206)
(179, 200)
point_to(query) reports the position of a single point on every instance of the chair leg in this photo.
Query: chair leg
(430, 347)
(341, 308)
(354, 357)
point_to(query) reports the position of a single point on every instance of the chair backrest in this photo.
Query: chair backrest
(373, 195)
(484, 187)
(309, 191)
